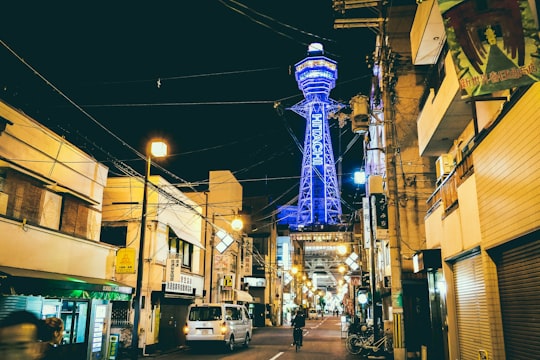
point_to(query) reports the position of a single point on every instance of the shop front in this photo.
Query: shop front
(83, 303)
(176, 294)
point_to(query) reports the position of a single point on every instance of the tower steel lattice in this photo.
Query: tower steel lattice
(319, 201)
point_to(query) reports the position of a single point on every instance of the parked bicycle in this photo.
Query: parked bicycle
(361, 341)
(355, 343)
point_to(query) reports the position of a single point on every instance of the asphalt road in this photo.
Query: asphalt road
(323, 340)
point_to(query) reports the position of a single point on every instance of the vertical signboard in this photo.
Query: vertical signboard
(248, 257)
(173, 272)
(367, 223)
(379, 208)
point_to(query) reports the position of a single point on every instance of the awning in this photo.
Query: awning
(186, 233)
(242, 295)
(17, 281)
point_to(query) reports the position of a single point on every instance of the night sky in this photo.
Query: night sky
(205, 75)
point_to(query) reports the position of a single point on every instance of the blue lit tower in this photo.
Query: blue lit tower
(319, 198)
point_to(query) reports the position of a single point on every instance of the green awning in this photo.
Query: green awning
(17, 281)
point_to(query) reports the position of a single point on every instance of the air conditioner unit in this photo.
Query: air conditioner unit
(443, 166)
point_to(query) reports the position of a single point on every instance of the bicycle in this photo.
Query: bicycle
(382, 346)
(355, 342)
(298, 336)
(359, 334)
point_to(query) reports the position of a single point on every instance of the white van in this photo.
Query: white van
(227, 324)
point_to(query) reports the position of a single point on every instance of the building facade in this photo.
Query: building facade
(53, 263)
(483, 216)
(172, 271)
(455, 157)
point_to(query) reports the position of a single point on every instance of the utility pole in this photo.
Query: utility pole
(383, 58)
(392, 149)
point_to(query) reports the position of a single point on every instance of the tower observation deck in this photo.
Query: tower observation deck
(319, 201)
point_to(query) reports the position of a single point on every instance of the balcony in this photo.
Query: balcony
(427, 33)
(444, 115)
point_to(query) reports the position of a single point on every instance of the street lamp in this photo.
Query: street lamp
(157, 149)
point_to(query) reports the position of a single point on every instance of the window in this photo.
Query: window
(233, 313)
(24, 197)
(183, 249)
(75, 316)
(120, 313)
(186, 254)
(74, 217)
(205, 313)
(27, 200)
(114, 235)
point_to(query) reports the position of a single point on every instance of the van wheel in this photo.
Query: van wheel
(230, 346)
(246, 341)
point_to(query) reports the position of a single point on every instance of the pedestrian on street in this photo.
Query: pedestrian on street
(19, 336)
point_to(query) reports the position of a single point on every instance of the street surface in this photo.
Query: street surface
(323, 340)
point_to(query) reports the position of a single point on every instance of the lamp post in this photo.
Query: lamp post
(237, 226)
(157, 149)
(212, 246)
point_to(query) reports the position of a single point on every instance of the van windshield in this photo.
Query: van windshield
(206, 313)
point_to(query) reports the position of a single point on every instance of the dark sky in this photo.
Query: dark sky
(92, 68)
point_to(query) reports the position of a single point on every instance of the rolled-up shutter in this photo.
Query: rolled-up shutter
(471, 306)
(518, 270)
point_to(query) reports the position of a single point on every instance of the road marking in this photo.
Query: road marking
(277, 355)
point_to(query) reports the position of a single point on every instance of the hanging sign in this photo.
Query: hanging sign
(492, 44)
(379, 208)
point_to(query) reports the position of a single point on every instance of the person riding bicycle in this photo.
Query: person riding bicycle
(298, 323)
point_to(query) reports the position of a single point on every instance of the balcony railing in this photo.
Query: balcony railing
(446, 192)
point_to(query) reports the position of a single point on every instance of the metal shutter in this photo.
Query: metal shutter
(518, 270)
(12, 303)
(471, 307)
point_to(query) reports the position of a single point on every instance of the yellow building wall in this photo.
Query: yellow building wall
(507, 167)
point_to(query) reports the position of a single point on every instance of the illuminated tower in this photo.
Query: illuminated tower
(319, 198)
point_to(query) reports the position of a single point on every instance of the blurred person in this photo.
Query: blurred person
(52, 334)
(19, 337)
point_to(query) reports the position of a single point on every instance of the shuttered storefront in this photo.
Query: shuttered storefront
(471, 307)
(518, 270)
